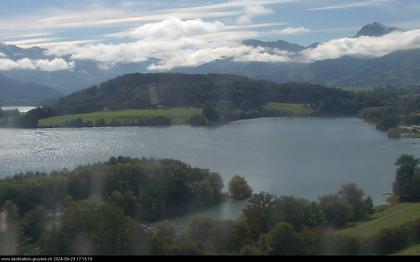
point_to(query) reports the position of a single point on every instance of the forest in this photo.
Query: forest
(221, 98)
(212, 99)
(124, 206)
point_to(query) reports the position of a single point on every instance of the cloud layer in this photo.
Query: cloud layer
(179, 43)
(353, 4)
(365, 46)
(176, 37)
(174, 43)
(55, 64)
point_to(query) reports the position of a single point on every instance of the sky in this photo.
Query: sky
(191, 32)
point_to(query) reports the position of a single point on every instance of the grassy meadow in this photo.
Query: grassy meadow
(386, 217)
(178, 116)
(290, 109)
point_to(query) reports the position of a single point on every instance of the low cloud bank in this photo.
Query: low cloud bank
(173, 43)
(55, 64)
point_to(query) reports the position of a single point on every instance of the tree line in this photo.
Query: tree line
(222, 98)
(108, 208)
(15, 119)
(105, 208)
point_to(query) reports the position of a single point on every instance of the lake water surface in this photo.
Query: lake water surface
(304, 157)
(22, 109)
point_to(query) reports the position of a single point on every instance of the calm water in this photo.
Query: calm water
(304, 157)
(22, 109)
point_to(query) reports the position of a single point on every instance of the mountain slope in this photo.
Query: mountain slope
(226, 92)
(375, 29)
(85, 73)
(13, 91)
(279, 44)
(399, 69)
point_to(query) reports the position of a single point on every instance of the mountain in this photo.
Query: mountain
(15, 52)
(279, 44)
(277, 72)
(375, 29)
(398, 69)
(221, 97)
(16, 92)
(85, 73)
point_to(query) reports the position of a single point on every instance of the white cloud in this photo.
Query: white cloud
(289, 31)
(239, 53)
(124, 15)
(260, 54)
(176, 43)
(2, 55)
(364, 46)
(251, 11)
(55, 64)
(351, 4)
(30, 41)
(174, 28)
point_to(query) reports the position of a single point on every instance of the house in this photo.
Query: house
(406, 128)
(412, 128)
(161, 107)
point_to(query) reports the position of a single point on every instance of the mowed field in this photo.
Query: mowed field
(291, 109)
(411, 251)
(388, 217)
(177, 115)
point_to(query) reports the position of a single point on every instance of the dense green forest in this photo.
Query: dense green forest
(200, 100)
(106, 208)
(181, 90)
(221, 98)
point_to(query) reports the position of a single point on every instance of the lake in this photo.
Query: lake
(22, 109)
(304, 157)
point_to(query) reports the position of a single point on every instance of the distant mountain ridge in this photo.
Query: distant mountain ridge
(375, 29)
(15, 52)
(15, 92)
(85, 73)
(398, 69)
(279, 44)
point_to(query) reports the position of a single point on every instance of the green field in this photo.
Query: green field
(411, 251)
(358, 89)
(177, 115)
(389, 217)
(290, 109)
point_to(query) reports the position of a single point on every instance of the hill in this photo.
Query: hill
(390, 217)
(142, 91)
(411, 251)
(198, 99)
(16, 92)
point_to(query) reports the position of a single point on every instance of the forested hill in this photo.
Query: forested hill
(135, 91)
